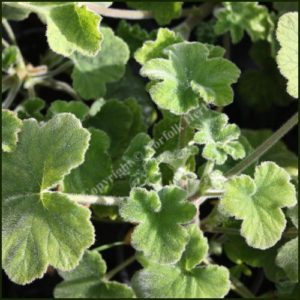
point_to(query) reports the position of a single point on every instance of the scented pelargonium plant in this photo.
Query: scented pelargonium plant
(134, 115)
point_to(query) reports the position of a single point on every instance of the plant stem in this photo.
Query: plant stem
(9, 31)
(5, 43)
(108, 246)
(120, 267)
(98, 200)
(11, 95)
(264, 147)
(240, 288)
(63, 67)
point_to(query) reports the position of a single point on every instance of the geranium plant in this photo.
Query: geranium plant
(144, 138)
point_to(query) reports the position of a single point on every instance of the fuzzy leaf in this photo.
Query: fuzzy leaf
(87, 281)
(11, 126)
(219, 138)
(159, 234)
(287, 58)
(163, 12)
(237, 17)
(188, 76)
(9, 57)
(91, 74)
(184, 279)
(258, 203)
(287, 259)
(10, 12)
(41, 227)
(32, 108)
(155, 49)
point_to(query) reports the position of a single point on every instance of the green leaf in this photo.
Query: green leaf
(258, 202)
(87, 281)
(10, 12)
(11, 126)
(31, 108)
(205, 32)
(287, 259)
(9, 57)
(188, 76)
(293, 215)
(264, 87)
(79, 109)
(237, 17)
(159, 233)
(284, 7)
(184, 279)
(219, 138)
(163, 12)
(96, 168)
(91, 74)
(155, 49)
(42, 227)
(287, 58)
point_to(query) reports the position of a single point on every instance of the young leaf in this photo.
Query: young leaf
(91, 74)
(31, 108)
(155, 49)
(219, 137)
(237, 17)
(258, 203)
(9, 57)
(188, 76)
(184, 279)
(287, 58)
(287, 259)
(159, 234)
(163, 12)
(11, 126)
(41, 227)
(87, 281)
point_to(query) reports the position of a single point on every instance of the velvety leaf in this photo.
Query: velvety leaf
(91, 74)
(188, 76)
(159, 233)
(237, 17)
(42, 227)
(259, 202)
(184, 279)
(219, 138)
(205, 32)
(11, 126)
(31, 108)
(87, 281)
(287, 58)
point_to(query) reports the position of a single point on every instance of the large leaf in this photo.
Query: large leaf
(184, 279)
(11, 126)
(287, 58)
(41, 227)
(159, 233)
(91, 74)
(259, 202)
(87, 281)
(188, 76)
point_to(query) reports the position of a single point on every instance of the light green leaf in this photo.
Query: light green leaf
(287, 58)
(79, 109)
(9, 57)
(155, 49)
(219, 138)
(97, 166)
(11, 126)
(87, 281)
(91, 74)
(287, 259)
(163, 12)
(188, 76)
(159, 234)
(258, 203)
(184, 279)
(41, 227)
(237, 17)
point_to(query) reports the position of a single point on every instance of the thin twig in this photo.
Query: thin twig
(60, 69)
(240, 288)
(9, 31)
(11, 95)
(108, 246)
(5, 43)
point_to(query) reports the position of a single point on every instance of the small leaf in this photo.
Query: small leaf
(219, 138)
(42, 227)
(184, 279)
(31, 108)
(237, 17)
(287, 58)
(9, 57)
(11, 126)
(155, 49)
(91, 74)
(159, 233)
(258, 203)
(188, 76)
(287, 259)
(87, 281)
